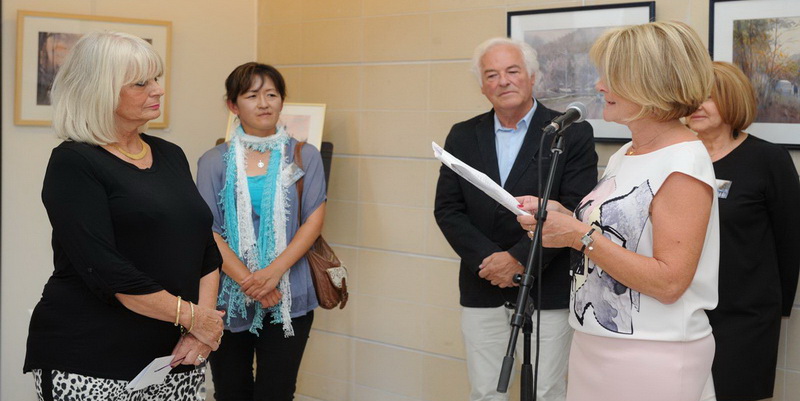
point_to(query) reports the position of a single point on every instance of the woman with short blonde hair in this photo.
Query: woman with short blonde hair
(648, 233)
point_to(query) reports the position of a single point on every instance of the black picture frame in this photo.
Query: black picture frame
(562, 38)
(774, 70)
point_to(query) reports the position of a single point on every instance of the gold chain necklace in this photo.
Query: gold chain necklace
(133, 156)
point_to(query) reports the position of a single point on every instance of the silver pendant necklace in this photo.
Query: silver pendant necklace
(260, 164)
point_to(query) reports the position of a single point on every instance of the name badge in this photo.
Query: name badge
(723, 188)
(291, 174)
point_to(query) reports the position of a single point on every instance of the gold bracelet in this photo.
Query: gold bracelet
(191, 325)
(178, 313)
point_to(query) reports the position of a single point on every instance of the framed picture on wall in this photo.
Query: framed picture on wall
(562, 38)
(43, 42)
(762, 37)
(303, 121)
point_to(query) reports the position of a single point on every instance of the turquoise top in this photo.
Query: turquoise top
(255, 184)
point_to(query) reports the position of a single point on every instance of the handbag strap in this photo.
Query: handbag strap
(298, 160)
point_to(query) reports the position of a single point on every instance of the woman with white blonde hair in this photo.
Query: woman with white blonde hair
(136, 268)
(648, 234)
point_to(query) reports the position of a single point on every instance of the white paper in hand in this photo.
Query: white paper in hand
(478, 179)
(154, 373)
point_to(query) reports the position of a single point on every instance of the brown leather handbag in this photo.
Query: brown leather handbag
(327, 272)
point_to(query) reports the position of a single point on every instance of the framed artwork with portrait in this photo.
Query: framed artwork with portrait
(43, 41)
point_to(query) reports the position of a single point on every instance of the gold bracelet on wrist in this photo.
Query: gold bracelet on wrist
(191, 324)
(184, 330)
(178, 313)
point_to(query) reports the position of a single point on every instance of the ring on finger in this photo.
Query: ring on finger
(530, 234)
(200, 359)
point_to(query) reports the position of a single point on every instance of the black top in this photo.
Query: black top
(476, 226)
(758, 266)
(117, 229)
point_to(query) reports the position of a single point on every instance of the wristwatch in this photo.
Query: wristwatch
(587, 241)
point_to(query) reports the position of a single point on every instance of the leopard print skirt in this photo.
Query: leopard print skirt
(189, 386)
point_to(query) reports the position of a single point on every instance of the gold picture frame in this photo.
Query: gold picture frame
(44, 39)
(304, 122)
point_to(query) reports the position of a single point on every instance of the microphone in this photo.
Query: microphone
(576, 112)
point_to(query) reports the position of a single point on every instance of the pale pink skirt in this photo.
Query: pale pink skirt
(611, 369)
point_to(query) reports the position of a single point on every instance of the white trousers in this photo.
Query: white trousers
(486, 332)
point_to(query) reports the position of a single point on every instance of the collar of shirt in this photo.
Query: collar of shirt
(522, 125)
(508, 142)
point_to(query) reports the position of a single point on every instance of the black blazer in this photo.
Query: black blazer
(476, 226)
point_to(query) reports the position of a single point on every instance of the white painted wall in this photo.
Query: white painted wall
(209, 39)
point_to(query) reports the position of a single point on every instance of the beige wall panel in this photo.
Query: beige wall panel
(280, 11)
(397, 38)
(323, 387)
(791, 391)
(332, 41)
(340, 222)
(294, 81)
(435, 243)
(454, 35)
(399, 87)
(454, 88)
(782, 344)
(444, 380)
(393, 181)
(392, 227)
(324, 355)
(362, 393)
(517, 5)
(431, 178)
(340, 321)
(318, 9)
(464, 4)
(389, 321)
(395, 133)
(392, 275)
(442, 121)
(793, 343)
(440, 286)
(779, 389)
(441, 333)
(383, 7)
(344, 178)
(342, 128)
(281, 44)
(390, 369)
(337, 87)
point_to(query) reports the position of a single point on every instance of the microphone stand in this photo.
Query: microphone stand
(519, 319)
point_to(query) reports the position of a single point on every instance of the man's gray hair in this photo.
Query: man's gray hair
(528, 56)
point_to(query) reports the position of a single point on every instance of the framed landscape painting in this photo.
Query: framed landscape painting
(762, 37)
(43, 42)
(562, 38)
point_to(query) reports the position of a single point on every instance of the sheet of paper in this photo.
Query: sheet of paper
(478, 179)
(154, 373)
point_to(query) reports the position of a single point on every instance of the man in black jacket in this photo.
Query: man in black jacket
(504, 144)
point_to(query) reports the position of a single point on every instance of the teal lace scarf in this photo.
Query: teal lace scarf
(256, 251)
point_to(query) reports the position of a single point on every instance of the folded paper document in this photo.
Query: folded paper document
(478, 179)
(154, 373)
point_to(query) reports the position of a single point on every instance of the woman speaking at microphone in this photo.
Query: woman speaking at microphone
(647, 235)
